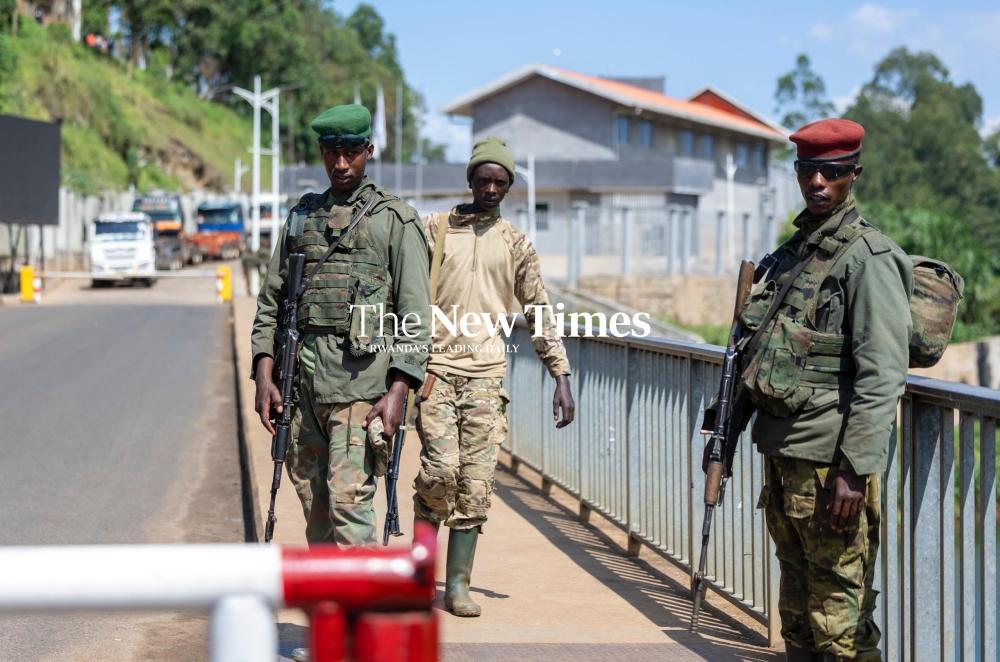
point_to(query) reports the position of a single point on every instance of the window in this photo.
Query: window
(687, 142)
(624, 126)
(645, 133)
(707, 146)
(742, 154)
(542, 217)
(759, 156)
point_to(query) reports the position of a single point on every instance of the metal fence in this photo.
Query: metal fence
(634, 454)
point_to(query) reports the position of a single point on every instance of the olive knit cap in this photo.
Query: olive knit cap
(490, 150)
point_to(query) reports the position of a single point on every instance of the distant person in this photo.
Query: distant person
(347, 378)
(481, 264)
(826, 377)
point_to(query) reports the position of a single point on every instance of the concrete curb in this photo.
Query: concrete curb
(253, 522)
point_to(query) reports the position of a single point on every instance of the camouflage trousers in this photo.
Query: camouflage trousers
(330, 463)
(826, 598)
(461, 426)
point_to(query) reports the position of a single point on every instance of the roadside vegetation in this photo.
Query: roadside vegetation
(156, 110)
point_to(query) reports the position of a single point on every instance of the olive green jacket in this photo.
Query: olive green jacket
(866, 295)
(340, 376)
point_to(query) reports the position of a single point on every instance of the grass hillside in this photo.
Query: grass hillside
(117, 128)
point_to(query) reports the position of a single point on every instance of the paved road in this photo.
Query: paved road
(117, 425)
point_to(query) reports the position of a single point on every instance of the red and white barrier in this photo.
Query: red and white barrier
(358, 600)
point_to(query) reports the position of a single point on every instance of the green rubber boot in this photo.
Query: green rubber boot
(461, 553)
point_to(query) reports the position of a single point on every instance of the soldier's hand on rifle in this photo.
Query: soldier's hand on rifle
(390, 406)
(563, 398)
(847, 501)
(268, 397)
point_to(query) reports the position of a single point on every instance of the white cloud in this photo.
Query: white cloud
(845, 101)
(821, 32)
(456, 134)
(989, 126)
(879, 20)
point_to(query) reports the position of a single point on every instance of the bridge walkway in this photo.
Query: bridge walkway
(551, 586)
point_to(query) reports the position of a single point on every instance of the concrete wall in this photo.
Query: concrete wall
(689, 300)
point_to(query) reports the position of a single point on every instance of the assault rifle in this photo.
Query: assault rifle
(392, 474)
(286, 369)
(731, 413)
(391, 477)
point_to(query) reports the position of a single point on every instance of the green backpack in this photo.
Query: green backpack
(937, 290)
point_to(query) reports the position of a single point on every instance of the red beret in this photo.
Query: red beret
(828, 140)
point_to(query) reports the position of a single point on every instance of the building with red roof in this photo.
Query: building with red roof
(690, 177)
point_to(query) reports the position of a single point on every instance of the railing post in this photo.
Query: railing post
(242, 630)
(631, 441)
(925, 574)
(988, 558)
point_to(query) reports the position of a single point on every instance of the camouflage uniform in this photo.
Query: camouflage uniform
(343, 371)
(488, 265)
(457, 469)
(826, 600)
(826, 378)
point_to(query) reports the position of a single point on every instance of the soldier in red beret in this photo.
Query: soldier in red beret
(825, 372)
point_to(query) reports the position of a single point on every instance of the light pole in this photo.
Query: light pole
(257, 99)
(528, 174)
(238, 171)
(731, 209)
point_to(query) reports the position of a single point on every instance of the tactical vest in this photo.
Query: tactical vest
(354, 275)
(792, 359)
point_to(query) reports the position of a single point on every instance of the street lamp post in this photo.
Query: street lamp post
(528, 174)
(257, 100)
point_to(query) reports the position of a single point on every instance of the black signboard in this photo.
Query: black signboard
(29, 171)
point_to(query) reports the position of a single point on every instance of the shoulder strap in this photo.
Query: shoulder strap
(438, 254)
(329, 251)
(849, 217)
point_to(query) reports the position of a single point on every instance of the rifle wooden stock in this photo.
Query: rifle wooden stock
(743, 287)
(718, 457)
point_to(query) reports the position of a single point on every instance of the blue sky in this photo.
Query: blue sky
(449, 47)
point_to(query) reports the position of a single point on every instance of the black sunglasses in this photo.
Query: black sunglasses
(343, 141)
(830, 171)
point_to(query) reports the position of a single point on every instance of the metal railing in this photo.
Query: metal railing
(634, 455)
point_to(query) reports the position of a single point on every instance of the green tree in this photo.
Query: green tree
(922, 147)
(801, 95)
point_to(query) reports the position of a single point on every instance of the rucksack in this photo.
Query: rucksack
(937, 290)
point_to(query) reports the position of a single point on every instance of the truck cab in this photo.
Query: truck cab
(221, 233)
(122, 248)
(172, 248)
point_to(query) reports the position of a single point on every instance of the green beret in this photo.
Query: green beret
(490, 150)
(349, 120)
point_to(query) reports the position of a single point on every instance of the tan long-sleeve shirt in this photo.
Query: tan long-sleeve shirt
(489, 268)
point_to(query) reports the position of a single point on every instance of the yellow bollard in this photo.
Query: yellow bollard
(27, 284)
(225, 283)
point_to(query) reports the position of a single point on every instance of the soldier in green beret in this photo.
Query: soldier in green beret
(350, 375)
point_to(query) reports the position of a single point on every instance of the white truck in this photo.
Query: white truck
(122, 248)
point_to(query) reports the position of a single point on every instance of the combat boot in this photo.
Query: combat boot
(461, 553)
(795, 654)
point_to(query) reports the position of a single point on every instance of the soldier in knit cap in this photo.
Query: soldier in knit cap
(825, 376)
(480, 264)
